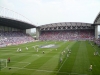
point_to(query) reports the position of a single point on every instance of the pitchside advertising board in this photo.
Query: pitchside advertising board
(3, 45)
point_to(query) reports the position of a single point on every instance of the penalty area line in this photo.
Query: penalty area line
(19, 62)
(27, 65)
(39, 70)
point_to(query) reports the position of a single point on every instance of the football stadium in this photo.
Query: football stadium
(64, 48)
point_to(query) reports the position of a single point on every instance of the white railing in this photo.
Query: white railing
(7, 13)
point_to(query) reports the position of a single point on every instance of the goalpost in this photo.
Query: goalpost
(3, 63)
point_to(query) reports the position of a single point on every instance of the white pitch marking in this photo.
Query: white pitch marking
(38, 70)
(62, 65)
(3, 68)
(27, 65)
(42, 70)
(19, 62)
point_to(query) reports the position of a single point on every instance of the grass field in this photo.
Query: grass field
(31, 62)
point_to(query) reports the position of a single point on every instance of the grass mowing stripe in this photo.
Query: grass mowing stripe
(64, 67)
(48, 63)
(41, 70)
(81, 64)
(94, 60)
(42, 60)
(64, 60)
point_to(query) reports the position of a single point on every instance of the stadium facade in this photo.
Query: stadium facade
(13, 21)
(73, 27)
(14, 28)
(96, 24)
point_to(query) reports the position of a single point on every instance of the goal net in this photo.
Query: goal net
(3, 63)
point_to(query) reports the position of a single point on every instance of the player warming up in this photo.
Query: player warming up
(20, 50)
(26, 48)
(43, 52)
(90, 67)
(60, 60)
(37, 49)
(9, 60)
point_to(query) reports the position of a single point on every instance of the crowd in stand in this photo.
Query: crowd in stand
(14, 38)
(67, 35)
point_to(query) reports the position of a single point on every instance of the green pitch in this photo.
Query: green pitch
(31, 62)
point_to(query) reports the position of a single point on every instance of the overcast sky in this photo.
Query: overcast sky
(42, 12)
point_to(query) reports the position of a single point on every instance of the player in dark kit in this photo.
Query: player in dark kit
(9, 60)
(43, 52)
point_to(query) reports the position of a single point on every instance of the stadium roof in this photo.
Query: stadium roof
(97, 20)
(65, 24)
(10, 22)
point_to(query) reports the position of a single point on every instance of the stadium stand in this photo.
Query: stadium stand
(13, 29)
(67, 31)
(68, 35)
(14, 38)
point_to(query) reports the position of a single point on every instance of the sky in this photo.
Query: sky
(41, 12)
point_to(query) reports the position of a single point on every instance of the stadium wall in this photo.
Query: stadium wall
(37, 33)
(96, 32)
